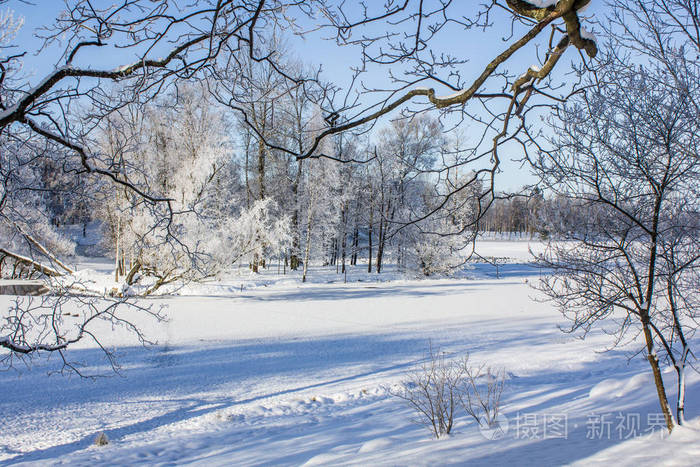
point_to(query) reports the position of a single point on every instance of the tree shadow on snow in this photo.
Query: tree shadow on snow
(223, 375)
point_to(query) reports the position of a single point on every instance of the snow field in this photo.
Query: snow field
(283, 373)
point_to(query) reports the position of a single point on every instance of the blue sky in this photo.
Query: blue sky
(479, 47)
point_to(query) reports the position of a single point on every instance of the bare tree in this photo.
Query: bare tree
(625, 151)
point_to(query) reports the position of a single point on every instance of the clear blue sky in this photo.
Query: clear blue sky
(479, 47)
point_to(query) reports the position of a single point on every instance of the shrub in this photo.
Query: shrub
(439, 387)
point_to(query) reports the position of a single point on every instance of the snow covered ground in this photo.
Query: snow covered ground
(268, 371)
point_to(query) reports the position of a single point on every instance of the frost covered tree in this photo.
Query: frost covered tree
(177, 148)
(442, 238)
(270, 110)
(180, 149)
(150, 46)
(406, 151)
(296, 127)
(320, 178)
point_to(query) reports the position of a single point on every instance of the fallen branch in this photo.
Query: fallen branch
(49, 271)
(43, 249)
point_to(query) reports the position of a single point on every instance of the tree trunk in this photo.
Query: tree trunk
(344, 218)
(355, 245)
(261, 168)
(369, 239)
(380, 246)
(355, 232)
(645, 318)
(26, 261)
(294, 258)
(307, 249)
(43, 249)
(132, 273)
(680, 404)
(116, 256)
(679, 365)
(246, 171)
(658, 379)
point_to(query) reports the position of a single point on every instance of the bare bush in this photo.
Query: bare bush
(438, 387)
(432, 391)
(481, 391)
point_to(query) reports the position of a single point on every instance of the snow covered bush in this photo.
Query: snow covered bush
(436, 254)
(437, 249)
(192, 248)
(437, 241)
(255, 232)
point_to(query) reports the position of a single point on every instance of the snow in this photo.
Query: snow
(542, 3)
(548, 3)
(586, 34)
(454, 95)
(584, 7)
(265, 370)
(123, 68)
(615, 388)
(13, 108)
(92, 237)
(14, 282)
